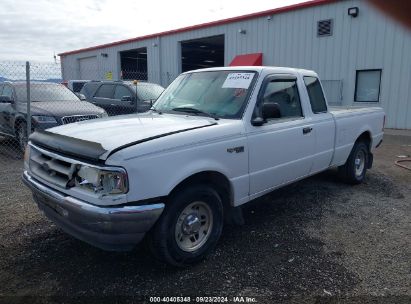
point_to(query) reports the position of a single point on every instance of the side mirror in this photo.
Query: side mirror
(269, 111)
(5, 99)
(126, 98)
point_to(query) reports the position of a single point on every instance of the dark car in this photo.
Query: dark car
(51, 105)
(122, 97)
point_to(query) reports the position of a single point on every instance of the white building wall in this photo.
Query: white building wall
(370, 41)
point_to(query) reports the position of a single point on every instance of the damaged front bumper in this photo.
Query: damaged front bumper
(109, 228)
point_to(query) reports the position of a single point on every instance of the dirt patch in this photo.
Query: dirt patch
(312, 240)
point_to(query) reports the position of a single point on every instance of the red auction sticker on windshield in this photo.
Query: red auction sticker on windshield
(238, 80)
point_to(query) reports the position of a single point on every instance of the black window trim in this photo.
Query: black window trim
(263, 86)
(356, 84)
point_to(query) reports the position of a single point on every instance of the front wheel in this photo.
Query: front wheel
(189, 227)
(353, 171)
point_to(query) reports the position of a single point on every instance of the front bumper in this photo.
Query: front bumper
(109, 228)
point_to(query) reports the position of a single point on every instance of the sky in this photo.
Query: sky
(36, 30)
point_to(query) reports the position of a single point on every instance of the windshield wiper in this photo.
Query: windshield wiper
(195, 111)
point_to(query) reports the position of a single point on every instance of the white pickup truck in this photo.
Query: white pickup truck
(214, 140)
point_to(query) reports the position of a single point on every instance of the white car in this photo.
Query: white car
(214, 140)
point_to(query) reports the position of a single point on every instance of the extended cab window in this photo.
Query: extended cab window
(105, 91)
(316, 95)
(284, 93)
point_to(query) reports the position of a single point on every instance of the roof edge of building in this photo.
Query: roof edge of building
(205, 25)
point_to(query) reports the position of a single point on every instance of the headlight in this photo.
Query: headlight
(104, 182)
(44, 119)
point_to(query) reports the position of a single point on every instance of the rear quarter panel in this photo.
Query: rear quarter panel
(350, 124)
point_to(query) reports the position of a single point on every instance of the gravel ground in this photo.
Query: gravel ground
(317, 240)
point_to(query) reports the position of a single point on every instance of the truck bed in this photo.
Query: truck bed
(344, 111)
(352, 121)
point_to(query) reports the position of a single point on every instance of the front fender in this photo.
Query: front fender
(157, 175)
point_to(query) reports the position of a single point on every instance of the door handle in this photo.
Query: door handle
(307, 130)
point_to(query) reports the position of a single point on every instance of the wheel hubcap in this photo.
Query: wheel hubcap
(359, 163)
(193, 226)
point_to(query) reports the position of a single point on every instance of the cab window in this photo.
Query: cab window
(284, 93)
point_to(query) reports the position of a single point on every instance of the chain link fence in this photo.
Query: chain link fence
(38, 91)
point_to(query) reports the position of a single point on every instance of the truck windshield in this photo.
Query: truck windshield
(221, 94)
(45, 92)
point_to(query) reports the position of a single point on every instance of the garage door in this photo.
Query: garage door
(88, 68)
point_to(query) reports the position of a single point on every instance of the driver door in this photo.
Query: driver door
(280, 150)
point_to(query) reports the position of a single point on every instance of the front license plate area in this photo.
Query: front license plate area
(45, 200)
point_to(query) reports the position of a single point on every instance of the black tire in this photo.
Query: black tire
(163, 238)
(21, 136)
(352, 171)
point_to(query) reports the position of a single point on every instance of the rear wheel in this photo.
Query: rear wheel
(354, 170)
(21, 134)
(189, 227)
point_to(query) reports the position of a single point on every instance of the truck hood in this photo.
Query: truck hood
(97, 139)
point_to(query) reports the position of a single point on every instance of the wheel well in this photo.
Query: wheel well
(216, 179)
(365, 137)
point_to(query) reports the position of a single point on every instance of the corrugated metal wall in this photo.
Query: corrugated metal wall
(370, 41)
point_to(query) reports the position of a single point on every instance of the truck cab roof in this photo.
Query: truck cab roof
(260, 69)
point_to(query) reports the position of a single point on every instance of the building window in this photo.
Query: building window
(325, 28)
(367, 86)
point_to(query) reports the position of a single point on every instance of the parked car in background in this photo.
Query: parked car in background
(76, 85)
(51, 105)
(122, 97)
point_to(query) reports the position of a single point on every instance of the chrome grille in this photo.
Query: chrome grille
(50, 167)
(76, 118)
